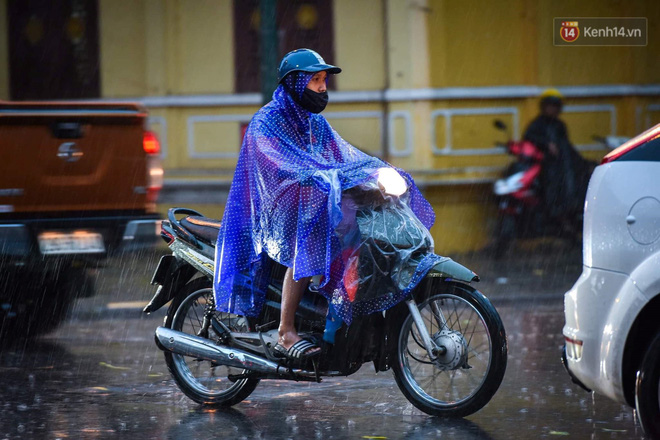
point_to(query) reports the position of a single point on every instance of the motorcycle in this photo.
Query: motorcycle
(520, 210)
(518, 193)
(445, 342)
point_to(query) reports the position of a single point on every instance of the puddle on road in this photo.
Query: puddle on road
(113, 381)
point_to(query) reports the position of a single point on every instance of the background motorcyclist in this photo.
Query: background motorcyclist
(563, 178)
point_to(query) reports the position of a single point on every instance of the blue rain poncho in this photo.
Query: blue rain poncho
(285, 203)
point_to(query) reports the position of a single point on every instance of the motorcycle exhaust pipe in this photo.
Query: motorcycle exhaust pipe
(194, 346)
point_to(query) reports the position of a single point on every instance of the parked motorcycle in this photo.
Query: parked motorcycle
(445, 342)
(518, 193)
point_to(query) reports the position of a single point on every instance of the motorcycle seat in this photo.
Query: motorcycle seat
(202, 227)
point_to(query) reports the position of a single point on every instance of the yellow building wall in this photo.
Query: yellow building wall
(407, 43)
(122, 49)
(359, 39)
(190, 136)
(478, 132)
(561, 65)
(461, 216)
(358, 124)
(486, 45)
(511, 44)
(156, 41)
(653, 115)
(647, 62)
(185, 47)
(205, 46)
(152, 47)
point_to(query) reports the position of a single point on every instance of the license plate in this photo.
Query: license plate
(77, 242)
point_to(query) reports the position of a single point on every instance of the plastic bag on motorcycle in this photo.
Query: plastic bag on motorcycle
(383, 244)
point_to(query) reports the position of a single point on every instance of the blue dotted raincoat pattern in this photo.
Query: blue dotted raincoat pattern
(285, 203)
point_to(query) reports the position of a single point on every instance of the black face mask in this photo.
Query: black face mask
(313, 101)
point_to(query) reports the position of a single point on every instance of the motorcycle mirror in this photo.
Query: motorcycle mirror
(499, 124)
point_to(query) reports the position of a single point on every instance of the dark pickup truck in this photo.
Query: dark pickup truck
(78, 182)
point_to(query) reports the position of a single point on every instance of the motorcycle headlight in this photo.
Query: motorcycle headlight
(391, 182)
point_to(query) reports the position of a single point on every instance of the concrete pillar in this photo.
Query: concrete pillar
(156, 50)
(173, 47)
(408, 68)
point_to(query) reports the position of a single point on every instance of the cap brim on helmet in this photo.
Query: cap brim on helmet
(314, 68)
(320, 68)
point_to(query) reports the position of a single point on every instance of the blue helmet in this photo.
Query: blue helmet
(303, 60)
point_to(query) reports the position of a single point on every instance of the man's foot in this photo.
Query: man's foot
(293, 347)
(299, 352)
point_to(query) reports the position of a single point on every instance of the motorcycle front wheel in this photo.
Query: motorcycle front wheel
(471, 361)
(203, 381)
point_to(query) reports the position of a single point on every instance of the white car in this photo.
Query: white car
(612, 329)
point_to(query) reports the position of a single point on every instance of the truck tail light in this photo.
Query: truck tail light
(154, 166)
(150, 143)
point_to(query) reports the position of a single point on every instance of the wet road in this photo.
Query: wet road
(101, 376)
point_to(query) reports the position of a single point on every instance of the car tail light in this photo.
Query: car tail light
(633, 143)
(573, 348)
(154, 167)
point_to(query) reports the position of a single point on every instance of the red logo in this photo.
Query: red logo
(569, 31)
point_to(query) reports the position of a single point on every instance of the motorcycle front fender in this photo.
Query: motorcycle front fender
(448, 268)
(443, 273)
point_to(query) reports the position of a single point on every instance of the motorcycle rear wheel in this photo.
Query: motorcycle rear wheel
(462, 385)
(200, 380)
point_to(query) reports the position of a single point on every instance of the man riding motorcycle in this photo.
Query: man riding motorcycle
(285, 203)
(305, 203)
(565, 174)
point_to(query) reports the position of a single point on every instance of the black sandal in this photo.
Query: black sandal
(300, 351)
